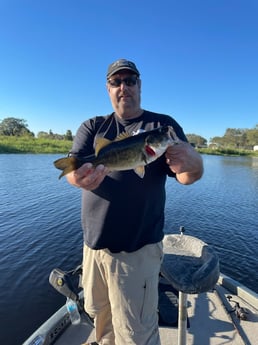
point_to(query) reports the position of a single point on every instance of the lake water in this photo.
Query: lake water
(40, 230)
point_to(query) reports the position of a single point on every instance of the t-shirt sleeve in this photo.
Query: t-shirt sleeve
(83, 143)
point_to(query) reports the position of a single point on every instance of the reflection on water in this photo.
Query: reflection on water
(254, 162)
(40, 229)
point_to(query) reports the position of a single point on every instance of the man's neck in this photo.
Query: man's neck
(130, 115)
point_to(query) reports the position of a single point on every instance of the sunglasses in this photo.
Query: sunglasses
(129, 81)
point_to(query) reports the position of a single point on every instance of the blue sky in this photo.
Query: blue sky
(198, 60)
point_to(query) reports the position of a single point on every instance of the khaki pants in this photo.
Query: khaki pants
(121, 294)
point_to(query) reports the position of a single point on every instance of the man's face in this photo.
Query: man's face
(124, 89)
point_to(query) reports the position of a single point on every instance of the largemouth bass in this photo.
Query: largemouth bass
(126, 152)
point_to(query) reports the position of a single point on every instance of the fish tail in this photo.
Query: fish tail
(67, 164)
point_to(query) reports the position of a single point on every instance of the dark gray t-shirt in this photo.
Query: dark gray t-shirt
(125, 212)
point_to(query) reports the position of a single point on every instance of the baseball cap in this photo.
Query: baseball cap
(120, 65)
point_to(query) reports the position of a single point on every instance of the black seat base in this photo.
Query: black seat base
(168, 305)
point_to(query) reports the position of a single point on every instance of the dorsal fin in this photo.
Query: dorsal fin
(103, 142)
(122, 136)
(100, 143)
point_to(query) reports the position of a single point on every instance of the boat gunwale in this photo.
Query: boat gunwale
(238, 289)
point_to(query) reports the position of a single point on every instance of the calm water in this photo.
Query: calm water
(40, 229)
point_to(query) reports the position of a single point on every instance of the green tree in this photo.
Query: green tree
(42, 134)
(12, 126)
(68, 135)
(252, 136)
(51, 134)
(238, 138)
(197, 140)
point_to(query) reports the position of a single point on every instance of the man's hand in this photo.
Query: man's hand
(87, 176)
(185, 162)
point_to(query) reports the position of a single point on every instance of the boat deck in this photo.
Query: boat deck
(210, 323)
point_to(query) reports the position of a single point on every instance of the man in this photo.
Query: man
(123, 216)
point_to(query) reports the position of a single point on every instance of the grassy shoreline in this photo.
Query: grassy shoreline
(41, 145)
(228, 152)
(33, 145)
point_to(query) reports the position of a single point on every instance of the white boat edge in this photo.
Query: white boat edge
(239, 290)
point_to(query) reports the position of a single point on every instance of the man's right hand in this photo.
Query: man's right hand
(87, 176)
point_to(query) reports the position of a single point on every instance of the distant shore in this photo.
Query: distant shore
(10, 144)
(228, 152)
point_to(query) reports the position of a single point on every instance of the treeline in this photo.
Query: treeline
(12, 126)
(237, 138)
(233, 138)
(50, 135)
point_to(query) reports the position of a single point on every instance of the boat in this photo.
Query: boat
(198, 305)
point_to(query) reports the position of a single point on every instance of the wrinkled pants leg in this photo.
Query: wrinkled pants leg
(127, 289)
(96, 300)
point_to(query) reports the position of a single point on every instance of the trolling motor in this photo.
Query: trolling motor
(63, 282)
(240, 311)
